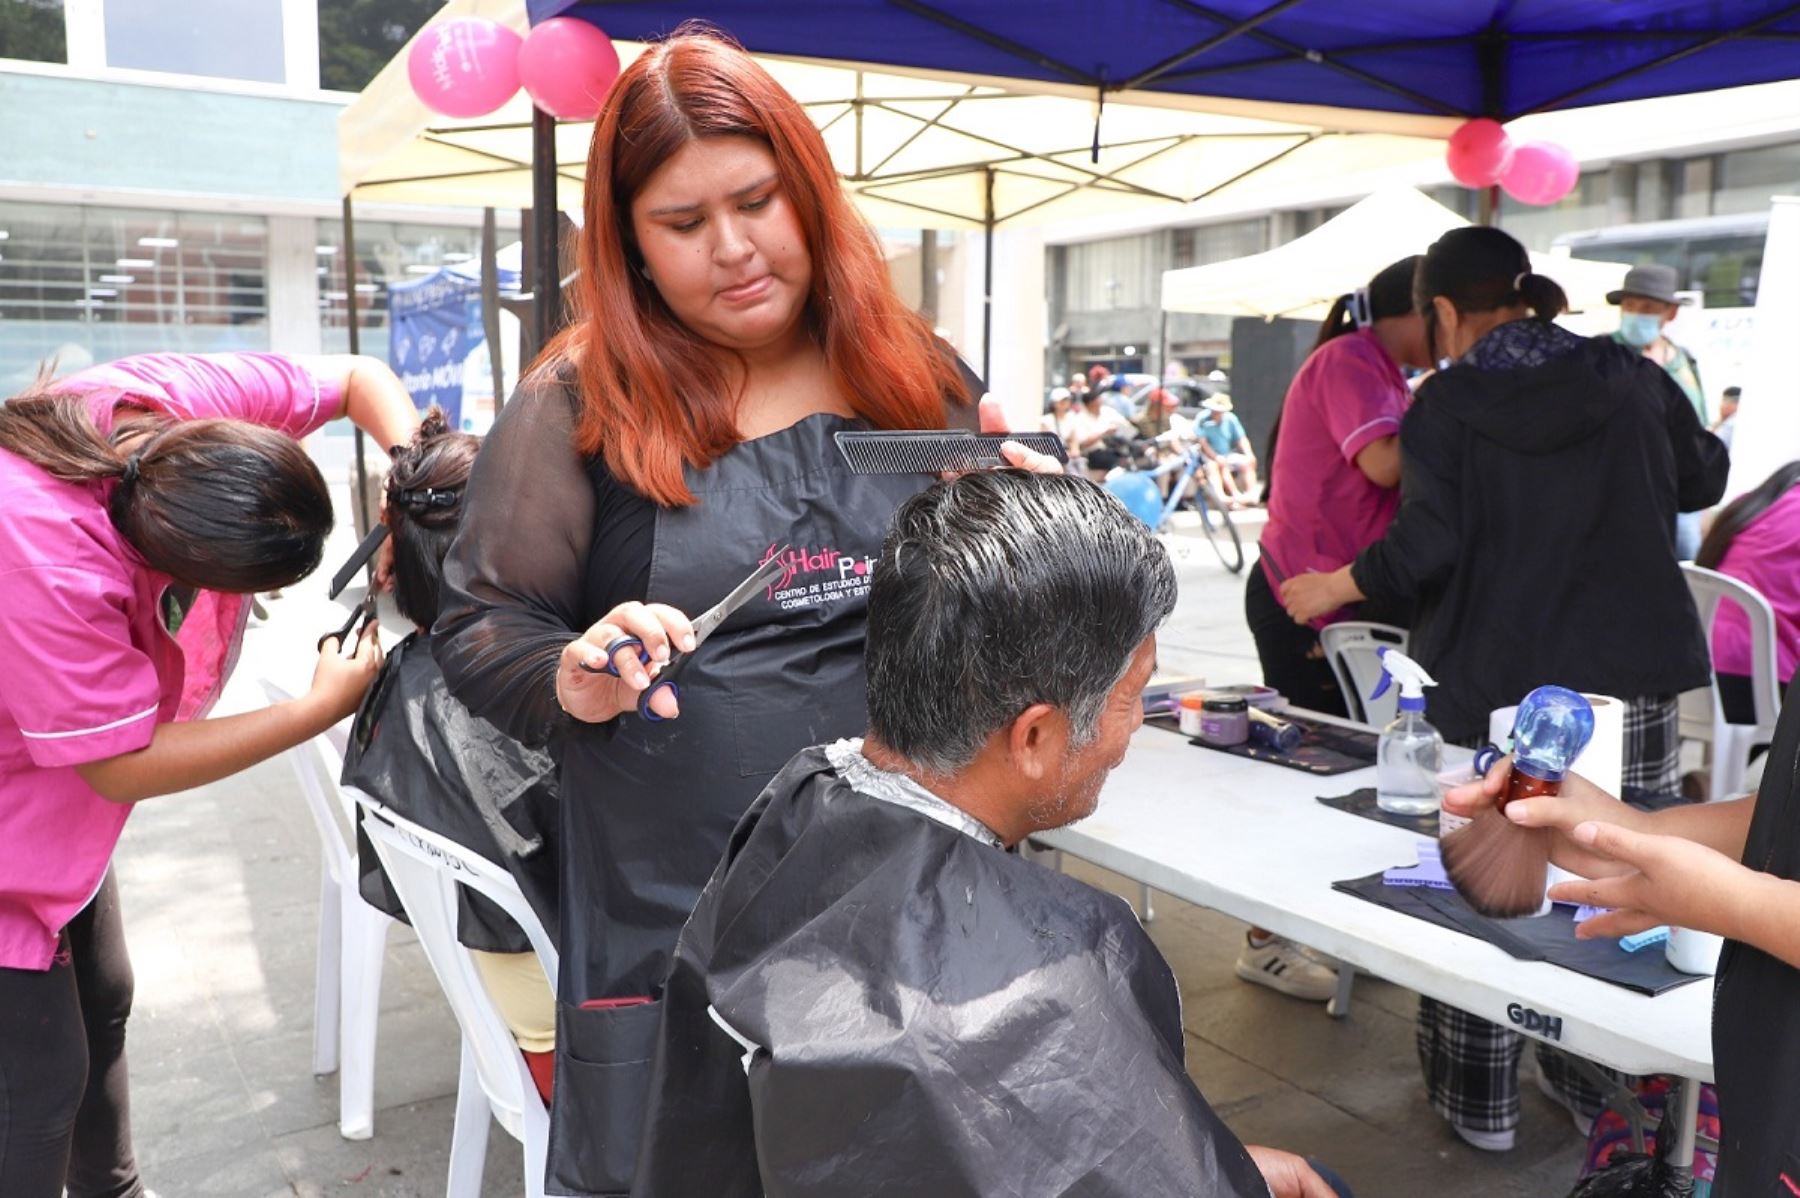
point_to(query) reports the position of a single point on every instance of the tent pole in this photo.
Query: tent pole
(987, 276)
(1490, 205)
(547, 308)
(490, 306)
(362, 465)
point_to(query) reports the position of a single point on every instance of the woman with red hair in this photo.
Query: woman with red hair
(733, 313)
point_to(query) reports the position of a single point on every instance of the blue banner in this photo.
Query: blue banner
(436, 325)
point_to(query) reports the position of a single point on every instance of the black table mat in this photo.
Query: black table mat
(1541, 938)
(1325, 749)
(1362, 802)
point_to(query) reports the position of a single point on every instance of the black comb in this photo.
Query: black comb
(937, 452)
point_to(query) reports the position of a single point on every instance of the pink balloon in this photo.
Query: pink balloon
(1479, 152)
(1541, 172)
(568, 65)
(466, 66)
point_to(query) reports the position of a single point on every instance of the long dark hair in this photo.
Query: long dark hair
(425, 487)
(1389, 293)
(1481, 269)
(222, 505)
(1736, 516)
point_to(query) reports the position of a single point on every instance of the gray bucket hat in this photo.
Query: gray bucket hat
(1651, 281)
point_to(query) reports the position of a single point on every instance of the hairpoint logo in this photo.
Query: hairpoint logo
(796, 562)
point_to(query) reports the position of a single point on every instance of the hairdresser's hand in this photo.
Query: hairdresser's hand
(1580, 802)
(1288, 1176)
(993, 420)
(339, 681)
(1660, 880)
(593, 696)
(1311, 595)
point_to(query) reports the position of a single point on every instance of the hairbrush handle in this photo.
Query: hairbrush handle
(1521, 785)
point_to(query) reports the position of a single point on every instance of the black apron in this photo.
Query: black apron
(1756, 1004)
(649, 807)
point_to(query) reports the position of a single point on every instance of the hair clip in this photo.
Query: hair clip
(425, 498)
(1361, 310)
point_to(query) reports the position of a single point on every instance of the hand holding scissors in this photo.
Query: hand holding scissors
(644, 647)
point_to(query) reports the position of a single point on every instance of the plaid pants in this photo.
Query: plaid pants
(1471, 1066)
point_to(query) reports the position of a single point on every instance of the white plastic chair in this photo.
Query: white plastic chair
(426, 869)
(352, 934)
(1732, 743)
(1352, 648)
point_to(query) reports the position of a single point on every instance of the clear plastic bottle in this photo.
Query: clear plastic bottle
(1407, 762)
(1411, 751)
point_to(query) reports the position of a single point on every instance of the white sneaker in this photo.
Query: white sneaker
(1487, 1141)
(1284, 966)
(1583, 1123)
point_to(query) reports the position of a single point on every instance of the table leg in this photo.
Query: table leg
(1687, 1118)
(1144, 894)
(1339, 1006)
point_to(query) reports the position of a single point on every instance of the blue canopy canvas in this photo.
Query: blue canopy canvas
(1500, 58)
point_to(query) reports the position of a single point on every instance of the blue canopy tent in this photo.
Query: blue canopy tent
(1411, 58)
(1498, 58)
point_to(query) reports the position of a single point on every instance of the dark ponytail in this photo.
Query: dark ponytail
(1389, 293)
(223, 505)
(1737, 515)
(425, 487)
(1482, 269)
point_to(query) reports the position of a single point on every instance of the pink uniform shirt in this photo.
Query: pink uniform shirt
(1347, 395)
(90, 668)
(1766, 554)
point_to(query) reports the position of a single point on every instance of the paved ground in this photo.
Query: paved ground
(220, 889)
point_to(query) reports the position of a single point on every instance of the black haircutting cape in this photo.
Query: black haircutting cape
(867, 1001)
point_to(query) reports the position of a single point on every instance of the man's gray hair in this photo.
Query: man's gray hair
(998, 591)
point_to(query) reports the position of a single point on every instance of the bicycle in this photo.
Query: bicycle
(1182, 459)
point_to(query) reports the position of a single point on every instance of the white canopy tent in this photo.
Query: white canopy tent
(1301, 278)
(917, 148)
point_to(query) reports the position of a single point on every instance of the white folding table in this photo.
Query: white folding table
(1250, 839)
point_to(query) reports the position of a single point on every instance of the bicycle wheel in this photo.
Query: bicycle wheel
(1215, 519)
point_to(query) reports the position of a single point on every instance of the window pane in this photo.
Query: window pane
(86, 285)
(358, 37)
(228, 39)
(33, 30)
(1749, 178)
(385, 252)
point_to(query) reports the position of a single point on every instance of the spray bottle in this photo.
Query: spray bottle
(1407, 759)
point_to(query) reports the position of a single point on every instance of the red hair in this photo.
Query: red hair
(653, 394)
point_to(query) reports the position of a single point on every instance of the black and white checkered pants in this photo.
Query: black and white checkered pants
(1472, 1066)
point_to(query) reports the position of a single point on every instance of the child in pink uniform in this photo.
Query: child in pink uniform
(145, 501)
(1756, 540)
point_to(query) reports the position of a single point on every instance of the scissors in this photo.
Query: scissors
(363, 612)
(704, 626)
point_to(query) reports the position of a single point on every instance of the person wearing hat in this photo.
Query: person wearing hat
(1227, 448)
(1647, 303)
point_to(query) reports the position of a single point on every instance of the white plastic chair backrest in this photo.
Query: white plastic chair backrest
(319, 763)
(425, 870)
(1352, 648)
(1710, 590)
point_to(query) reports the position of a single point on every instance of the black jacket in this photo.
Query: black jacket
(1536, 532)
(912, 1012)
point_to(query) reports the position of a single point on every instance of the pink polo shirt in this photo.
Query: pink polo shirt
(1347, 395)
(1766, 554)
(90, 669)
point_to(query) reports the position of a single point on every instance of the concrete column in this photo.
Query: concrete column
(84, 29)
(293, 285)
